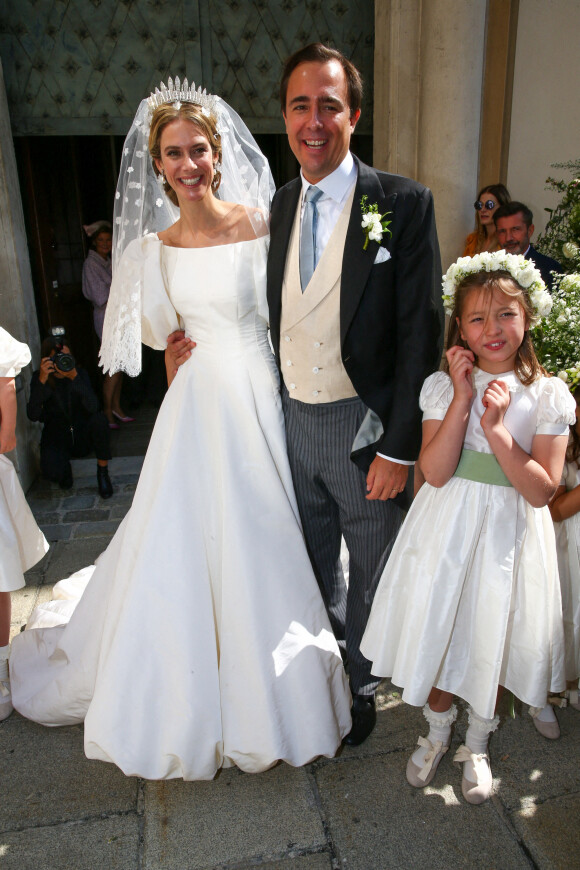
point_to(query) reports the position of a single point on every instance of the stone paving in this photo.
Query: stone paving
(60, 811)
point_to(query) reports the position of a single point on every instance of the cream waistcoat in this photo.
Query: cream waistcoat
(310, 324)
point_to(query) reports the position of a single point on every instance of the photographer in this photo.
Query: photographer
(97, 276)
(61, 397)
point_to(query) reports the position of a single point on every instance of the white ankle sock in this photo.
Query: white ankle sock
(546, 714)
(439, 729)
(4, 656)
(477, 736)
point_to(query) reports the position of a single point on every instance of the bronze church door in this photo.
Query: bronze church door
(65, 182)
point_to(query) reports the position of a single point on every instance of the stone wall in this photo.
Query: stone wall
(545, 124)
(18, 313)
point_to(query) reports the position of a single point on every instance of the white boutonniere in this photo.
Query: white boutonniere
(373, 223)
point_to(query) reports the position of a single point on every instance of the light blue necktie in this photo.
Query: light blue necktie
(308, 254)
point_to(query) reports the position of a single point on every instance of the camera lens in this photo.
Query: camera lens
(64, 362)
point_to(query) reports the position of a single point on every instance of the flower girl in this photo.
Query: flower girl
(469, 600)
(565, 510)
(22, 544)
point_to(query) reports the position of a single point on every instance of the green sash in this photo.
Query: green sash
(482, 467)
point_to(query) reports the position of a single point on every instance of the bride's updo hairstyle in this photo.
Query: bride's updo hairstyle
(206, 124)
(526, 366)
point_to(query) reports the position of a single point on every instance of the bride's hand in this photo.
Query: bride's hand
(177, 352)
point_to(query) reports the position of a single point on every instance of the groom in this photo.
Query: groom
(356, 326)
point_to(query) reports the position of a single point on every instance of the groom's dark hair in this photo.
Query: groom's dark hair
(509, 209)
(316, 52)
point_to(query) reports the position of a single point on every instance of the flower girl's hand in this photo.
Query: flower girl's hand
(461, 361)
(496, 401)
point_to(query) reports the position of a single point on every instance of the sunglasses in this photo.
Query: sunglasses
(489, 204)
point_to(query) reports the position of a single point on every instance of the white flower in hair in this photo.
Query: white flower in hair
(522, 271)
(527, 275)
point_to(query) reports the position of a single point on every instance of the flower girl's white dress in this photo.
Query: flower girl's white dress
(22, 544)
(201, 640)
(470, 596)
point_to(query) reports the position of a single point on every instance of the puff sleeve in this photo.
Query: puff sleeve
(436, 395)
(570, 476)
(139, 308)
(556, 408)
(14, 355)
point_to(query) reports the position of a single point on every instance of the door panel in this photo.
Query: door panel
(66, 182)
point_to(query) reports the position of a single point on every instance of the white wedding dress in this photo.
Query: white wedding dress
(201, 640)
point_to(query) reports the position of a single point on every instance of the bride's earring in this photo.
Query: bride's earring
(217, 177)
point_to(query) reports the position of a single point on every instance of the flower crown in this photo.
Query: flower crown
(522, 271)
(178, 93)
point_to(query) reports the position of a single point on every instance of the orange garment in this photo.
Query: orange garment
(473, 245)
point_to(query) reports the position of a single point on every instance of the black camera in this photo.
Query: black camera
(64, 362)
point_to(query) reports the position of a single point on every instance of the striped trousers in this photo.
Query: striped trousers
(331, 491)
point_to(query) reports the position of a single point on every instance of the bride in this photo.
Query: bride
(201, 640)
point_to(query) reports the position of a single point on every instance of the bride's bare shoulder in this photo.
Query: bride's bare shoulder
(169, 236)
(246, 223)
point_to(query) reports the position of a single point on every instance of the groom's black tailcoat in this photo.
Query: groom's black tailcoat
(391, 315)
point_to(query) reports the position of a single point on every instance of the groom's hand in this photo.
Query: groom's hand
(177, 352)
(386, 479)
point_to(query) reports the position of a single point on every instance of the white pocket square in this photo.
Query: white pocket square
(382, 256)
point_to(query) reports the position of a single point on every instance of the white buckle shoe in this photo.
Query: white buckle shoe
(549, 729)
(419, 777)
(477, 781)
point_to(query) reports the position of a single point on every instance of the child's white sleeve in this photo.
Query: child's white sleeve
(436, 395)
(14, 355)
(569, 476)
(556, 408)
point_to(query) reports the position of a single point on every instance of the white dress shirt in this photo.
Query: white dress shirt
(335, 188)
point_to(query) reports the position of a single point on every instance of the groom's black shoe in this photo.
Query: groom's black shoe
(364, 717)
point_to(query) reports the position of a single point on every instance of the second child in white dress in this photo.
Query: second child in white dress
(22, 544)
(469, 601)
(565, 510)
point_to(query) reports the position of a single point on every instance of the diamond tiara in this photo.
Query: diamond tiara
(178, 93)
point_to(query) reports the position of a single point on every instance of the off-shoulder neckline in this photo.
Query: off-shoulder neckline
(211, 247)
